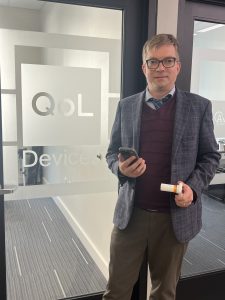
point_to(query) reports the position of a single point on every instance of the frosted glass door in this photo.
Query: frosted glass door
(60, 85)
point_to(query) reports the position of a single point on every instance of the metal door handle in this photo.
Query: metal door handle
(8, 189)
(99, 156)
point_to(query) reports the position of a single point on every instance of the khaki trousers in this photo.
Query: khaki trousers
(146, 230)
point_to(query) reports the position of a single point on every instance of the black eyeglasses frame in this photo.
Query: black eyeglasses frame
(161, 61)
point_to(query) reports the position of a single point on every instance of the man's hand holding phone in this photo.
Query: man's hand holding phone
(130, 164)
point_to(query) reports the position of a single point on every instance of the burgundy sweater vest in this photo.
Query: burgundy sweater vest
(156, 137)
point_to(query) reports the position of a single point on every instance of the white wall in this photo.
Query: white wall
(81, 21)
(19, 18)
(91, 218)
(167, 16)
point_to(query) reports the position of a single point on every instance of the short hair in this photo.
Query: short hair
(158, 41)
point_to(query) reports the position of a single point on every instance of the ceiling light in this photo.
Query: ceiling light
(211, 28)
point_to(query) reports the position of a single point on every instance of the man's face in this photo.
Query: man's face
(161, 80)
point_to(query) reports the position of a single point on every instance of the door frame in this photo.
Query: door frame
(188, 12)
(210, 285)
(214, 2)
(139, 23)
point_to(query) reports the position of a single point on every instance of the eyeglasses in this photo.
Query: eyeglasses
(167, 62)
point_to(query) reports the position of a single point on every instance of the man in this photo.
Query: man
(172, 131)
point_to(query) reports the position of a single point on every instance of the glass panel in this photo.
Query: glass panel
(208, 70)
(60, 80)
(206, 251)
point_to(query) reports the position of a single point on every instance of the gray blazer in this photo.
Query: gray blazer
(194, 157)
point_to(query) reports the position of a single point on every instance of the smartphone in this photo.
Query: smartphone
(128, 152)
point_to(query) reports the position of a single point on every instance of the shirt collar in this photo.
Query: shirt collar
(149, 96)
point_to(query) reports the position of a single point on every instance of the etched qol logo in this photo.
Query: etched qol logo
(67, 107)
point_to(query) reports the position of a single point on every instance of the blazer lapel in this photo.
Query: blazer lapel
(181, 119)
